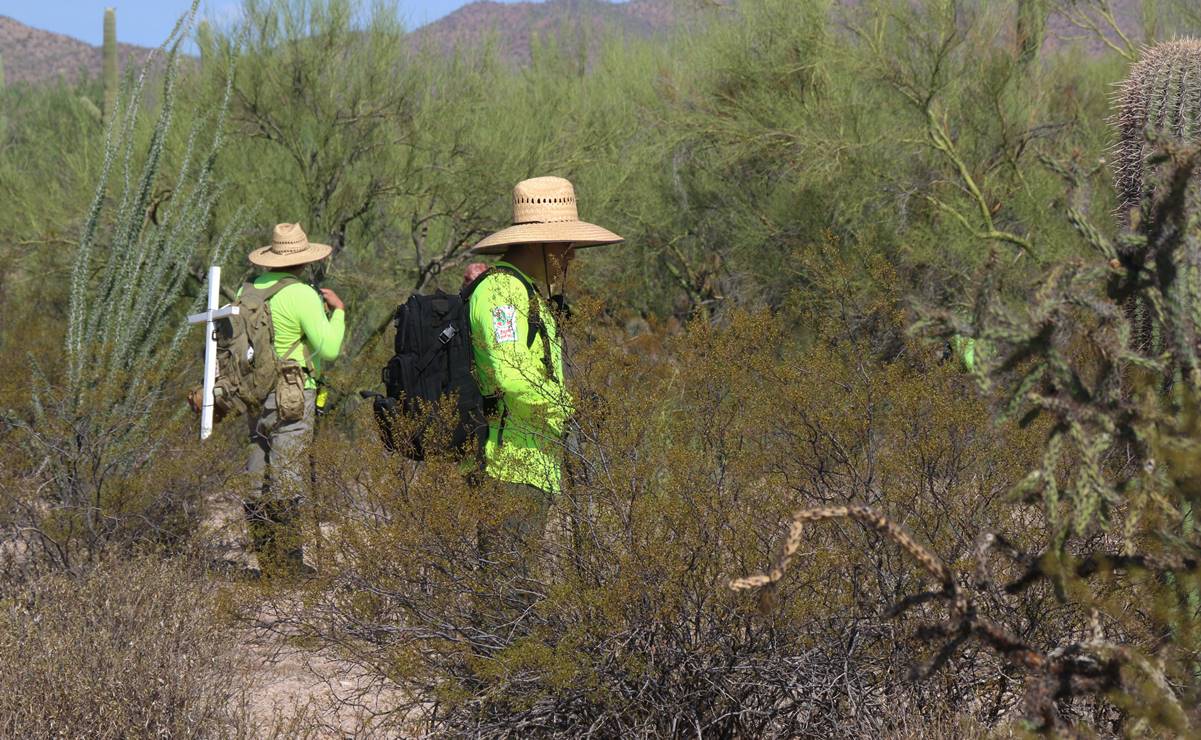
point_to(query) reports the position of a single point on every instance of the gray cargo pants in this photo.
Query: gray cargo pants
(277, 471)
(508, 554)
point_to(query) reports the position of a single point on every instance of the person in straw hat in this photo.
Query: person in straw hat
(278, 465)
(519, 355)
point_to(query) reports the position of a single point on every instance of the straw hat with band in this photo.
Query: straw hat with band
(544, 212)
(289, 247)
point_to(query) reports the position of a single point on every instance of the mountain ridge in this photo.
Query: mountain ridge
(38, 56)
(516, 24)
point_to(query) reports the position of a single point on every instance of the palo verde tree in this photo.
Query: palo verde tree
(319, 98)
(344, 126)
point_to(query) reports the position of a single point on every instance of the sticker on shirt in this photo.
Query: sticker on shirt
(504, 324)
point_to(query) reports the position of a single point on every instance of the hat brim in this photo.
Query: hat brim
(264, 257)
(579, 233)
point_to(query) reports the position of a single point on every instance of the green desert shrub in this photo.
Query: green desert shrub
(691, 452)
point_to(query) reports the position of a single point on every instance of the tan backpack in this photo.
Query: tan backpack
(248, 369)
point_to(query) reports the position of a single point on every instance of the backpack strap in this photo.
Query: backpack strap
(536, 326)
(267, 294)
(304, 351)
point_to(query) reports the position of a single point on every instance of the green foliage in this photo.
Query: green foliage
(1119, 404)
(1031, 28)
(109, 54)
(124, 331)
(204, 39)
(343, 128)
(834, 168)
(3, 118)
(623, 626)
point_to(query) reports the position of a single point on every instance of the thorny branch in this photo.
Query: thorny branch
(1101, 22)
(1092, 666)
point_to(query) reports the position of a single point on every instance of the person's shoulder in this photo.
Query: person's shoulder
(297, 293)
(500, 283)
(296, 287)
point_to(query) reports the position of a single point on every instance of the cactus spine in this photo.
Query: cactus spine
(110, 61)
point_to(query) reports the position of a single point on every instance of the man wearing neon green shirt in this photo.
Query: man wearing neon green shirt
(278, 464)
(519, 359)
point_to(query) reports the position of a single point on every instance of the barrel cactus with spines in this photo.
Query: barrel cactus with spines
(1158, 178)
(1160, 102)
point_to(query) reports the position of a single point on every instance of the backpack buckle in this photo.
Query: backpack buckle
(447, 334)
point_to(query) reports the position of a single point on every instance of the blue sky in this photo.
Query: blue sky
(147, 22)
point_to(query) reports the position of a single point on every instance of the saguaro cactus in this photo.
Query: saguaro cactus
(3, 118)
(1161, 99)
(204, 39)
(110, 61)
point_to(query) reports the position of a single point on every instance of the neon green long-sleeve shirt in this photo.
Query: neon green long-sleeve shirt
(525, 440)
(296, 311)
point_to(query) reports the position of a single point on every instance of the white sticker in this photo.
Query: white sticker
(504, 324)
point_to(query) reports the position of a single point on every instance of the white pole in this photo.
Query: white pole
(210, 347)
(210, 354)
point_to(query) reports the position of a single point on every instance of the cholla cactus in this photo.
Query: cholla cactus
(1172, 261)
(1160, 100)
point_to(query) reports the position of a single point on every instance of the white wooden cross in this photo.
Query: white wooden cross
(210, 347)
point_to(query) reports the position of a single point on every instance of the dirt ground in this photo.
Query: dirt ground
(307, 693)
(316, 692)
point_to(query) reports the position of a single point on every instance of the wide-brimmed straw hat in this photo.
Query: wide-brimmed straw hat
(544, 211)
(289, 247)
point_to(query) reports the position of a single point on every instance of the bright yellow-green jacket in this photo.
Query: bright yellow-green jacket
(525, 438)
(965, 348)
(297, 311)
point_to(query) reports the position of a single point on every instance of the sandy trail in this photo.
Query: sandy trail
(310, 693)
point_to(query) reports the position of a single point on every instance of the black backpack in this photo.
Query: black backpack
(434, 360)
